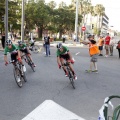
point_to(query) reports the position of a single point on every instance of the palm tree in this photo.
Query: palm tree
(100, 11)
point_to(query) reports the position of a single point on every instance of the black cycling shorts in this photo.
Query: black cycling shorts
(14, 56)
(66, 56)
(32, 44)
(25, 51)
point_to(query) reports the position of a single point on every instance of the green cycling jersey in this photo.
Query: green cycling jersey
(22, 46)
(64, 52)
(10, 50)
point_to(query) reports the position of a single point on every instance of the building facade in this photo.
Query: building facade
(104, 24)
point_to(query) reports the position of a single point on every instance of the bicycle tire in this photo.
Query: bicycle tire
(70, 75)
(30, 63)
(24, 77)
(35, 49)
(17, 73)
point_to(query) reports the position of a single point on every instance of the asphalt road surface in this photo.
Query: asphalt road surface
(49, 83)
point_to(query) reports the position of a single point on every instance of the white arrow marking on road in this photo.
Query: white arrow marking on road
(77, 53)
(49, 110)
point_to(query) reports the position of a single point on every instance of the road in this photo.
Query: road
(49, 83)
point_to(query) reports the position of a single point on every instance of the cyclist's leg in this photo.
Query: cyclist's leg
(20, 61)
(13, 58)
(71, 68)
(63, 67)
(32, 44)
(27, 52)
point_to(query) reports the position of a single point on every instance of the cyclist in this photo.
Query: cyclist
(63, 53)
(23, 48)
(32, 43)
(15, 53)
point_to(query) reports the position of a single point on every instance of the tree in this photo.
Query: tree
(52, 4)
(62, 5)
(100, 11)
(40, 17)
(14, 14)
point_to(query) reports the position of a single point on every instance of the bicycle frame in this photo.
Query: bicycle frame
(104, 110)
(70, 75)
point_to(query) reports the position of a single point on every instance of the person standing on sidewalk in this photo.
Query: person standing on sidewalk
(111, 46)
(3, 40)
(100, 45)
(47, 45)
(118, 47)
(93, 51)
(107, 44)
(64, 38)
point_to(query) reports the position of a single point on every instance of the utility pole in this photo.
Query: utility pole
(22, 21)
(6, 20)
(76, 20)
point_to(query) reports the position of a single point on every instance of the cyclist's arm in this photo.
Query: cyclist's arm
(5, 54)
(19, 55)
(5, 58)
(58, 60)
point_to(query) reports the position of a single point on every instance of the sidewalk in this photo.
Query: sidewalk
(68, 43)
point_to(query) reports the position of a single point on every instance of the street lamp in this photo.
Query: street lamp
(76, 20)
(6, 20)
(22, 21)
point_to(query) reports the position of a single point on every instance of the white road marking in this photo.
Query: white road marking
(49, 110)
(77, 53)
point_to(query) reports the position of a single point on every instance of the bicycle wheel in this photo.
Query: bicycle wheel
(36, 49)
(24, 77)
(17, 75)
(30, 63)
(71, 78)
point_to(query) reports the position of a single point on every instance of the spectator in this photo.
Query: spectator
(3, 40)
(15, 36)
(54, 38)
(100, 45)
(93, 51)
(111, 46)
(118, 47)
(107, 44)
(74, 37)
(64, 38)
(47, 45)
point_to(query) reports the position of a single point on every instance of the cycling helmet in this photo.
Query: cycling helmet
(20, 42)
(59, 45)
(8, 42)
(89, 36)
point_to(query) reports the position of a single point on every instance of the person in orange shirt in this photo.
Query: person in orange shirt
(93, 51)
(100, 44)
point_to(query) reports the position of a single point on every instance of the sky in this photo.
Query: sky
(112, 8)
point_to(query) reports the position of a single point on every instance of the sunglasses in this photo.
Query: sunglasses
(60, 48)
(9, 45)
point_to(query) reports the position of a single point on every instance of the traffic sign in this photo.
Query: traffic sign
(83, 28)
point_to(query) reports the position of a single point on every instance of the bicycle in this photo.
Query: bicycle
(104, 109)
(34, 48)
(18, 73)
(70, 74)
(28, 61)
